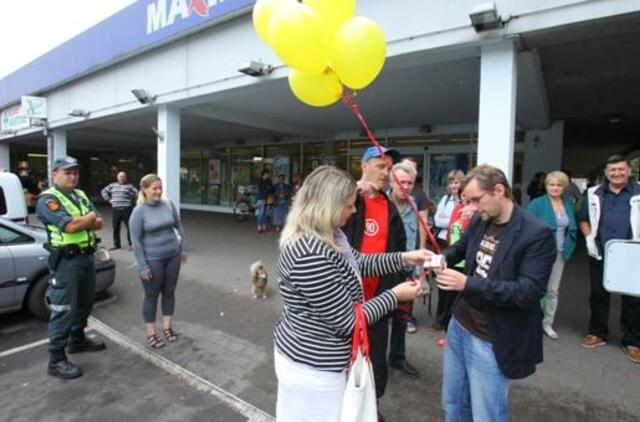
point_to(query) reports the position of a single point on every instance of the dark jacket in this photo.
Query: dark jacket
(396, 238)
(511, 293)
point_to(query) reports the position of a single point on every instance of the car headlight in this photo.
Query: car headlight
(102, 254)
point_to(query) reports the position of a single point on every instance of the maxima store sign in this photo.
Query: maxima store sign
(142, 25)
(164, 13)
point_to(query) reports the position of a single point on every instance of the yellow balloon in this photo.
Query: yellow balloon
(333, 13)
(358, 52)
(298, 38)
(262, 12)
(315, 90)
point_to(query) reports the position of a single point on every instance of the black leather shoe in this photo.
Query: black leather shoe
(64, 369)
(85, 345)
(407, 368)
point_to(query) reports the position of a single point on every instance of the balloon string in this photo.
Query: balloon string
(348, 99)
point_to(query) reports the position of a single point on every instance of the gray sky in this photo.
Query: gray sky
(28, 29)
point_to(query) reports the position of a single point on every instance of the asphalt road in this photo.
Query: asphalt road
(226, 341)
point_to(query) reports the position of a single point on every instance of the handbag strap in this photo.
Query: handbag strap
(360, 340)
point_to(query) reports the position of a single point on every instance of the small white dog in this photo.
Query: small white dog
(258, 280)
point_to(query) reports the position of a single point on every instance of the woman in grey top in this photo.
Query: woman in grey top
(158, 246)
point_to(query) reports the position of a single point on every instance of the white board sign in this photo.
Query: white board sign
(621, 267)
(34, 107)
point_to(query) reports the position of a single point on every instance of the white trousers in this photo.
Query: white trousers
(552, 291)
(306, 394)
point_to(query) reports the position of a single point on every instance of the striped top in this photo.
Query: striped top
(120, 196)
(318, 289)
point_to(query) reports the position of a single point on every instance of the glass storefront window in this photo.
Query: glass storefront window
(246, 165)
(284, 159)
(217, 180)
(191, 176)
(319, 153)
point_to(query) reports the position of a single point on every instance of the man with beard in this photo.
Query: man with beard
(495, 333)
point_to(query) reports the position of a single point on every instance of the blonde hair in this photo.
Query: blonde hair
(559, 176)
(145, 182)
(455, 175)
(318, 205)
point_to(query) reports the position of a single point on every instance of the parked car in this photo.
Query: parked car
(24, 274)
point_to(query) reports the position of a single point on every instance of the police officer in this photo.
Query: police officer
(71, 220)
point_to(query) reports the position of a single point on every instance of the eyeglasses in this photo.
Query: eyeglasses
(476, 199)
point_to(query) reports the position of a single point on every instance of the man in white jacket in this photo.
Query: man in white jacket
(611, 211)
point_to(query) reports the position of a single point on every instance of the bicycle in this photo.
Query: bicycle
(246, 207)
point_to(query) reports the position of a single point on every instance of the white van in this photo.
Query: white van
(12, 203)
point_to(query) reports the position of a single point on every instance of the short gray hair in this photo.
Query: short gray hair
(406, 167)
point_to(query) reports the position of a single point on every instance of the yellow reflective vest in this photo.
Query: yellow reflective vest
(82, 238)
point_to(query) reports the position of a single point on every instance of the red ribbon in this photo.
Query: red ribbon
(360, 339)
(348, 99)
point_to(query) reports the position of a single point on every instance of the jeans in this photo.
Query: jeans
(261, 205)
(473, 387)
(280, 214)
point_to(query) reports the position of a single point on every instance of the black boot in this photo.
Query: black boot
(79, 343)
(60, 367)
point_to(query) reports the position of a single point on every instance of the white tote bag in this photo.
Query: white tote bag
(359, 402)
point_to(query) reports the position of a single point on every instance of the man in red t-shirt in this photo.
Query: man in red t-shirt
(376, 227)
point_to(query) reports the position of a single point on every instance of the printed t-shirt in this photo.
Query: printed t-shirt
(374, 239)
(472, 316)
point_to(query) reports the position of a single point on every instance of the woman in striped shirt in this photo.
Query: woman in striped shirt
(319, 276)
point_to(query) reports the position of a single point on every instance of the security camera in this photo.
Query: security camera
(485, 16)
(255, 69)
(78, 112)
(143, 96)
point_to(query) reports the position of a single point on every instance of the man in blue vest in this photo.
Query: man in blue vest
(71, 220)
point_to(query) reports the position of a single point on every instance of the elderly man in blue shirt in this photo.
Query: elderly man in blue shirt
(403, 177)
(611, 210)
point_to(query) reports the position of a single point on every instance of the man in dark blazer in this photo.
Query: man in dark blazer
(495, 333)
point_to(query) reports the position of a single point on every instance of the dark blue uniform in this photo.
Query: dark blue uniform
(72, 284)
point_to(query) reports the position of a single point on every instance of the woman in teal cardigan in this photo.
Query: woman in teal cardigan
(559, 215)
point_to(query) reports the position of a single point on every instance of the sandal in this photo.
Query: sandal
(154, 341)
(170, 335)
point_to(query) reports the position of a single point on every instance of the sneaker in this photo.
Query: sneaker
(590, 341)
(435, 327)
(411, 328)
(64, 369)
(550, 332)
(632, 352)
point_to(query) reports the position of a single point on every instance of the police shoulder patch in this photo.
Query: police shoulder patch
(52, 204)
